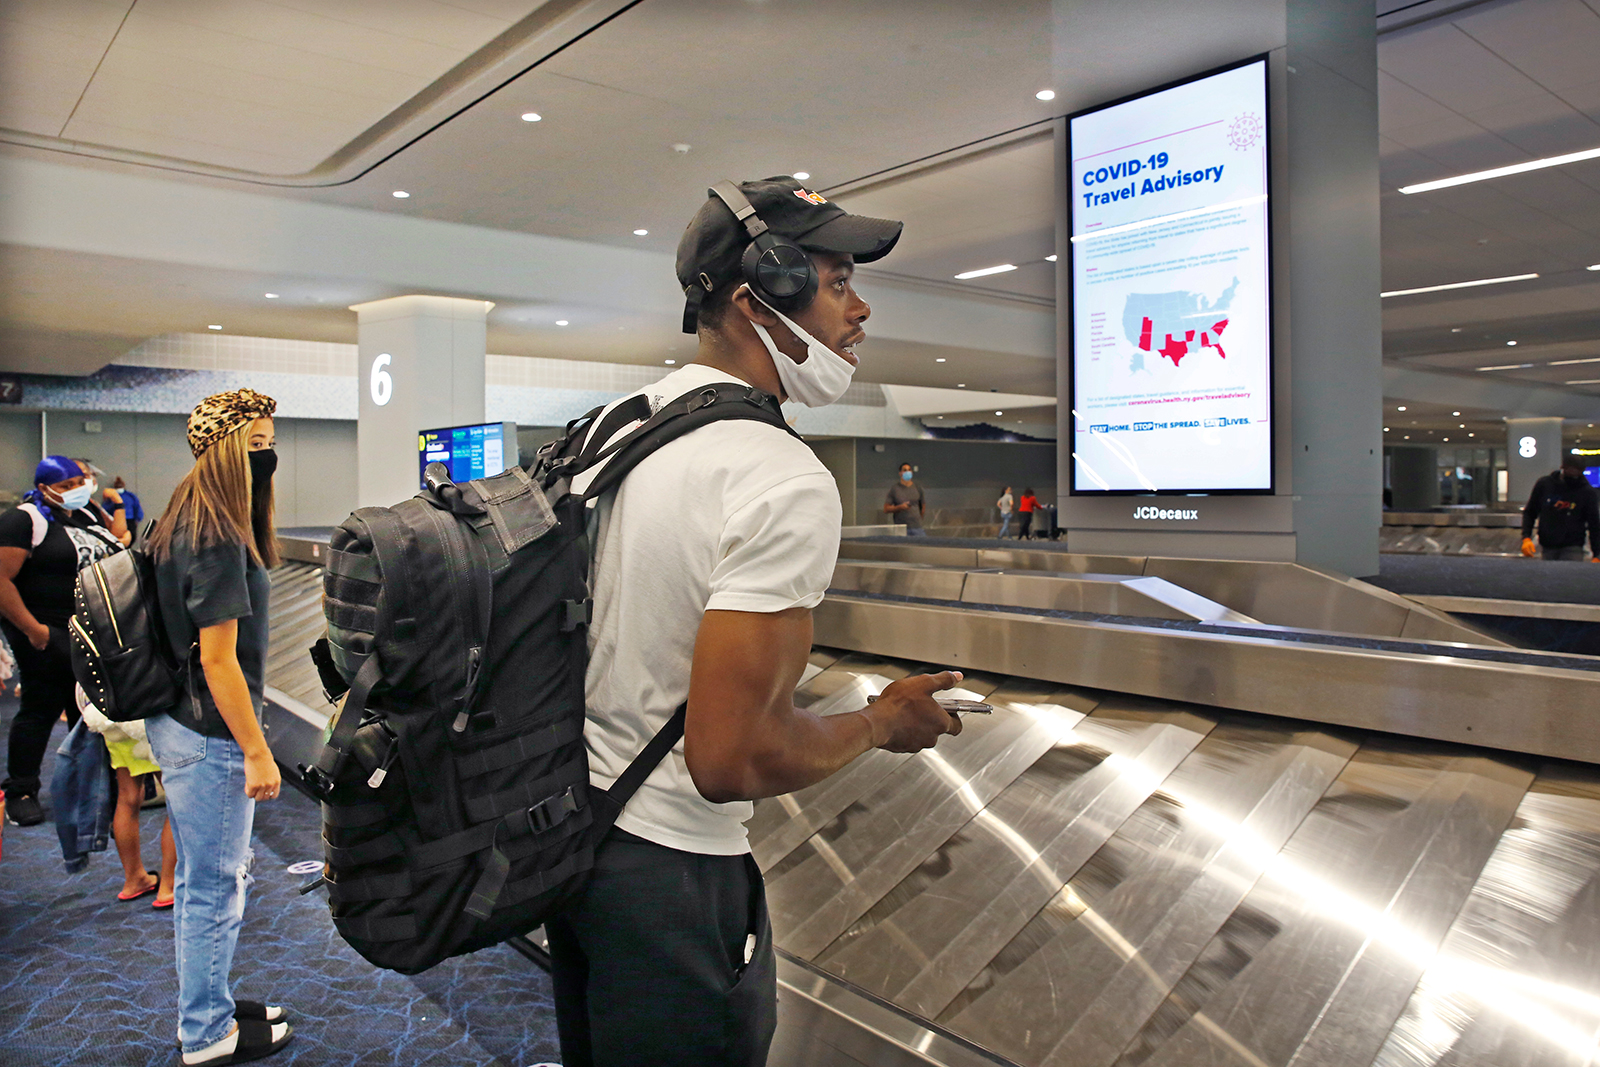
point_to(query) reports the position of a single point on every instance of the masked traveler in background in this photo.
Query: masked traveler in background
(1566, 508)
(44, 542)
(709, 559)
(906, 502)
(212, 549)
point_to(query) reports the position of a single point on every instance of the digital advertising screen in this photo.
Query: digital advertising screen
(1171, 325)
(468, 451)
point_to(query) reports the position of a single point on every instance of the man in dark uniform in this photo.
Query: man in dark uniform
(906, 503)
(1566, 507)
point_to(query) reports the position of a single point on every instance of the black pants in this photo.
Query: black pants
(46, 677)
(1027, 521)
(649, 963)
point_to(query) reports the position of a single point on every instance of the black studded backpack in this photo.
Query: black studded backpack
(457, 810)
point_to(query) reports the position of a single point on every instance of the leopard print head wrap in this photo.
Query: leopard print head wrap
(220, 414)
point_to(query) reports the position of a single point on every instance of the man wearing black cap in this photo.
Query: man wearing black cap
(1566, 507)
(709, 558)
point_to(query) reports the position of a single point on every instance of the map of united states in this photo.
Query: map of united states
(1175, 324)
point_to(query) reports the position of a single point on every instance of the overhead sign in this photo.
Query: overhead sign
(1170, 261)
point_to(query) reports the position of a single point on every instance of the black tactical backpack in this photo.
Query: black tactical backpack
(457, 810)
(119, 647)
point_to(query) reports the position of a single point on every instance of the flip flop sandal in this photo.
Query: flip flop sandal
(255, 1042)
(255, 1009)
(163, 905)
(146, 891)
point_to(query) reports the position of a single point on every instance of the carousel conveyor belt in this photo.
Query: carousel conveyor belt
(1176, 842)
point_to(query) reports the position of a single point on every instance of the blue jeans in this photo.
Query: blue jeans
(916, 531)
(211, 823)
(1005, 525)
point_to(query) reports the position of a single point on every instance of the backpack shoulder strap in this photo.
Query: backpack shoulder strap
(713, 403)
(608, 803)
(41, 525)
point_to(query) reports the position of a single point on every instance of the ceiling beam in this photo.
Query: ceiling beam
(1513, 399)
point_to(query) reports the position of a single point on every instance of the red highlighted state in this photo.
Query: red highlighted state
(1205, 338)
(1176, 350)
(1144, 333)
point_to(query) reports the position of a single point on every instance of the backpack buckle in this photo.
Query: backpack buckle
(757, 397)
(704, 398)
(576, 613)
(551, 810)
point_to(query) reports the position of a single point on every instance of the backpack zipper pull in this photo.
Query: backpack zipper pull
(383, 768)
(474, 664)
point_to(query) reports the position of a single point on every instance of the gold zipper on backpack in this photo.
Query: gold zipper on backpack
(83, 635)
(105, 592)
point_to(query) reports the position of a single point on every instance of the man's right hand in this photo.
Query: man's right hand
(1527, 547)
(907, 718)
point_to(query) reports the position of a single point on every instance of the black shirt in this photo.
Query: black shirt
(48, 577)
(203, 588)
(1564, 512)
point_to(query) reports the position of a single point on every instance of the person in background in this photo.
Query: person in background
(44, 542)
(212, 549)
(110, 512)
(1005, 504)
(132, 509)
(131, 761)
(906, 503)
(1025, 509)
(1566, 508)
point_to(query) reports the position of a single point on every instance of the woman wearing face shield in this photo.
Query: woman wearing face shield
(44, 542)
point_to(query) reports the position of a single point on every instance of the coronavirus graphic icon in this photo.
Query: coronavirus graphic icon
(1245, 131)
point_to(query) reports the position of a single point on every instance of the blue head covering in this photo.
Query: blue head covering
(51, 469)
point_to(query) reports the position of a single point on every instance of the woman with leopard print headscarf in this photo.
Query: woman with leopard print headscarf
(44, 542)
(212, 549)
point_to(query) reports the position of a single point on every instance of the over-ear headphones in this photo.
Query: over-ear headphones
(777, 270)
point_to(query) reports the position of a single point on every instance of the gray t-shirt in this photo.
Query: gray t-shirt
(203, 588)
(906, 493)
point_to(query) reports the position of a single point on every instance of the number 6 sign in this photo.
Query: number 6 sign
(382, 384)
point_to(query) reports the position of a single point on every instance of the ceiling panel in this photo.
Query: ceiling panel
(1554, 42)
(48, 51)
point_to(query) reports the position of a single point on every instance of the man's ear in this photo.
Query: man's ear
(753, 309)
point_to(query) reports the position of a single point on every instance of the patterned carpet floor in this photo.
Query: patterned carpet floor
(88, 980)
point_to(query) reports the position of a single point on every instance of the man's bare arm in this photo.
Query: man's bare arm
(745, 739)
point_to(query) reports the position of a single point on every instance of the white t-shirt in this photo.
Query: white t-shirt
(1004, 503)
(734, 516)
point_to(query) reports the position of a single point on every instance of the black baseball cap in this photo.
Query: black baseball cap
(711, 248)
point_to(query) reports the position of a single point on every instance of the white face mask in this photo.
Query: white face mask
(821, 379)
(73, 499)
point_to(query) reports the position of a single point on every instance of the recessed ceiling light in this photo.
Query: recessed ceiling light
(961, 385)
(1386, 429)
(1402, 407)
(999, 413)
(1045, 94)
(1408, 437)
(1051, 258)
(941, 416)
(561, 322)
(1593, 266)
(270, 296)
(1447, 438)
(1501, 172)
(801, 175)
(1457, 285)
(1472, 435)
(401, 194)
(1463, 426)
(1511, 343)
(213, 327)
(641, 233)
(938, 359)
(985, 272)
(671, 362)
(1455, 329)
(531, 116)
(1457, 414)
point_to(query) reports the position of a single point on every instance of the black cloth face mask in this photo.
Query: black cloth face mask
(263, 462)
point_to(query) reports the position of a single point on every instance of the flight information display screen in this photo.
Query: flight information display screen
(1171, 261)
(468, 451)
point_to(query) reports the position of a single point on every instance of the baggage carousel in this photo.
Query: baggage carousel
(1198, 828)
